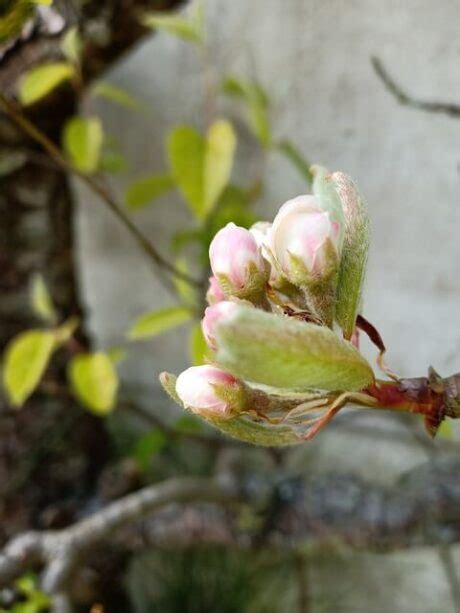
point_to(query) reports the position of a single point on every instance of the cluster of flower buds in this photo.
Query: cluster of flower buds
(291, 267)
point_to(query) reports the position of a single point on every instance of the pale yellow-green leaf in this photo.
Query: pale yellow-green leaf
(116, 94)
(446, 430)
(47, 2)
(279, 351)
(156, 322)
(145, 190)
(178, 26)
(65, 331)
(94, 381)
(218, 161)
(82, 140)
(42, 303)
(41, 80)
(186, 152)
(26, 358)
(72, 45)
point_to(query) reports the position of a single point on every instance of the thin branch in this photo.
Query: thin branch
(96, 187)
(450, 569)
(59, 551)
(444, 108)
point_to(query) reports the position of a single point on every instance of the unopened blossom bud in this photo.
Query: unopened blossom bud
(210, 391)
(212, 316)
(214, 293)
(305, 242)
(237, 262)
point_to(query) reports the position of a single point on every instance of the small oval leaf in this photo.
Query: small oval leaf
(278, 351)
(144, 190)
(26, 359)
(186, 153)
(82, 142)
(94, 381)
(41, 300)
(40, 81)
(218, 162)
(156, 322)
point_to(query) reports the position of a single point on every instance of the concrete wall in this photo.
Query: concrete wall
(314, 58)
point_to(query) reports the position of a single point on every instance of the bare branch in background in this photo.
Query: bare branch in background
(444, 108)
(421, 508)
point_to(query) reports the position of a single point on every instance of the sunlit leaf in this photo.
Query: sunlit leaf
(218, 161)
(176, 25)
(283, 352)
(42, 303)
(291, 152)
(446, 430)
(146, 189)
(82, 139)
(116, 94)
(25, 361)
(41, 80)
(186, 152)
(72, 45)
(159, 321)
(94, 381)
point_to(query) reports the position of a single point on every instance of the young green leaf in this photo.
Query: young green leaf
(200, 353)
(257, 102)
(218, 161)
(148, 446)
(41, 300)
(26, 359)
(156, 322)
(354, 254)
(116, 94)
(291, 152)
(282, 352)
(41, 80)
(82, 140)
(186, 153)
(146, 189)
(72, 45)
(178, 26)
(94, 381)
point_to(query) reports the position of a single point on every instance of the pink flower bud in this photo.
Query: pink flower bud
(214, 293)
(212, 316)
(304, 241)
(236, 261)
(210, 391)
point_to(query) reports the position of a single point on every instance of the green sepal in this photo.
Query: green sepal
(354, 254)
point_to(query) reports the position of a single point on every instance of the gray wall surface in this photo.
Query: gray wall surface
(314, 58)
